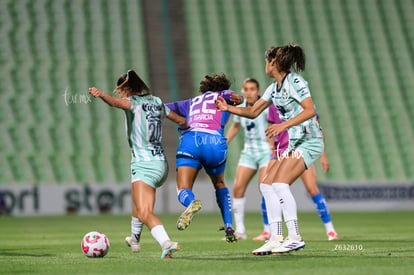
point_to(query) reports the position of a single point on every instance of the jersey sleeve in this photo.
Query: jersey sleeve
(301, 89)
(226, 95)
(181, 107)
(267, 95)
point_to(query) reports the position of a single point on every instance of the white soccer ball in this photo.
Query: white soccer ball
(95, 244)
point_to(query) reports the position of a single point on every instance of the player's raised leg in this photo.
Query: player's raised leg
(185, 179)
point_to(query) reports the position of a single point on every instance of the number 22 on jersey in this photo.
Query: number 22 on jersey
(204, 104)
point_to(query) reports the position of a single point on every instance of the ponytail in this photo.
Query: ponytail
(287, 57)
(298, 57)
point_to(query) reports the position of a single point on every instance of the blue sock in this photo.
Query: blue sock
(224, 202)
(264, 212)
(185, 197)
(321, 207)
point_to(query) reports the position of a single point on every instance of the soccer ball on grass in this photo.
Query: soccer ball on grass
(95, 244)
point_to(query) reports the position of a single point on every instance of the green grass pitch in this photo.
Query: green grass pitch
(371, 243)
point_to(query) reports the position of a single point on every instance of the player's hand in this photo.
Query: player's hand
(95, 92)
(236, 98)
(275, 129)
(221, 104)
(324, 163)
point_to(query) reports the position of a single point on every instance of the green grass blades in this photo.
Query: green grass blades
(380, 243)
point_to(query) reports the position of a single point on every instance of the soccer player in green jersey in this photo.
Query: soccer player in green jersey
(291, 96)
(254, 157)
(149, 168)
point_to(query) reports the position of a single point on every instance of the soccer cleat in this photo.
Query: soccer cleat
(264, 236)
(289, 244)
(168, 249)
(332, 236)
(135, 246)
(230, 236)
(240, 236)
(268, 247)
(187, 216)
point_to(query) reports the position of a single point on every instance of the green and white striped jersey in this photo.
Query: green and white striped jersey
(143, 126)
(287, 101)
(255, 141)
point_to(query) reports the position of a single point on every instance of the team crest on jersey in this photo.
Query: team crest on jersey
(285, 95)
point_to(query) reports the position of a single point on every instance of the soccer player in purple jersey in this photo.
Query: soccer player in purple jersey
(203, 145)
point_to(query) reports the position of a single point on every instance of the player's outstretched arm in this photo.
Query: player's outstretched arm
(249, 112)
(181, 121)
(122, 103)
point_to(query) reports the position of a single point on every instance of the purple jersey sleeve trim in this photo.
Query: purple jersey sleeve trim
(226, 95)
(180, 107)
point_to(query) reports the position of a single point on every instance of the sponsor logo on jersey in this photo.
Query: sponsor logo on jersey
(147, 107)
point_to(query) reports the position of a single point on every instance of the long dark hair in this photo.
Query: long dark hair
(131, 81)
(214, 83)
(287, 57)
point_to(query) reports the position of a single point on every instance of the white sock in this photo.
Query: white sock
(274, 210)
(238, 210)
(276, 227)
(329, 227)
(293, 229)
(136, 229)
(288, 204)
(159, 234)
